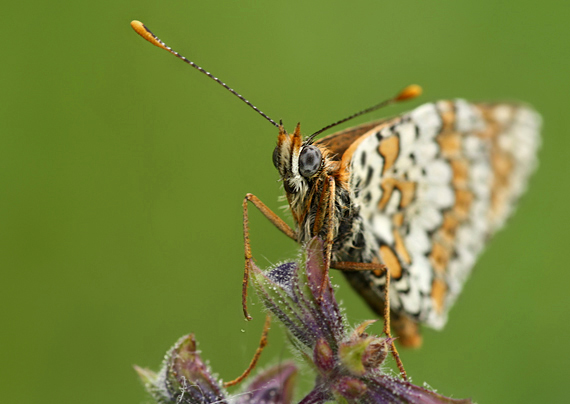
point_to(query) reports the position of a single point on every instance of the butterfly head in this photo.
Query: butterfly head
(299, 162)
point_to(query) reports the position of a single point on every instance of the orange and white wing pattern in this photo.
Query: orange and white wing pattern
(432, 186)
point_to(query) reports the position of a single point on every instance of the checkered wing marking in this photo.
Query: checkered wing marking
(433, 186)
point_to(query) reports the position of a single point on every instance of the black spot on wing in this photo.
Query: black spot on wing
(356, 188)
(368, 177)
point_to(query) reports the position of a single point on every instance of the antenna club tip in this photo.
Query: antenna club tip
(138, 27)
(412, 91)
(143, 31)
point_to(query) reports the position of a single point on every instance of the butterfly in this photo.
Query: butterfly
(418, 196)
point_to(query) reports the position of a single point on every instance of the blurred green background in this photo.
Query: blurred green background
(122, 173)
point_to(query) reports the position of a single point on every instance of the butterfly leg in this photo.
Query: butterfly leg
(359, 266)
(277, 222)
(377, 268)
(386, 329)
(406, 329)
(329, 193)
(330, 237)
(262, 345)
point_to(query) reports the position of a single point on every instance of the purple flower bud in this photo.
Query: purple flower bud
(292, 292)
(185, 378)
(272, 386)
(323, 356)
(349, 388)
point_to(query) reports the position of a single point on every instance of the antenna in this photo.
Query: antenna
(412, 91)
(143, 31)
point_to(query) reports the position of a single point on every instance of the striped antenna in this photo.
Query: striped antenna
(143, 31)
(412, 91)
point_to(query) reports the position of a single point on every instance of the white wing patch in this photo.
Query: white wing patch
(433, 187)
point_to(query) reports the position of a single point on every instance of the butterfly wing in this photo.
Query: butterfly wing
(432, 186)
(339, 142)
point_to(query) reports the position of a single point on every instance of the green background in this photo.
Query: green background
(122, 173)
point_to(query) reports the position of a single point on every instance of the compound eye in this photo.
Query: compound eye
(276, 157)
(309, 161)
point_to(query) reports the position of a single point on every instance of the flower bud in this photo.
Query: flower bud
(271, 386)
(184, 377)
(375, 353)
(349, 388)
(323, 356)
(351, 353)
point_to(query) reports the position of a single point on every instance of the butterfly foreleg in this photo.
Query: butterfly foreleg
(277, 222)
(330, 230)
(328, 195)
